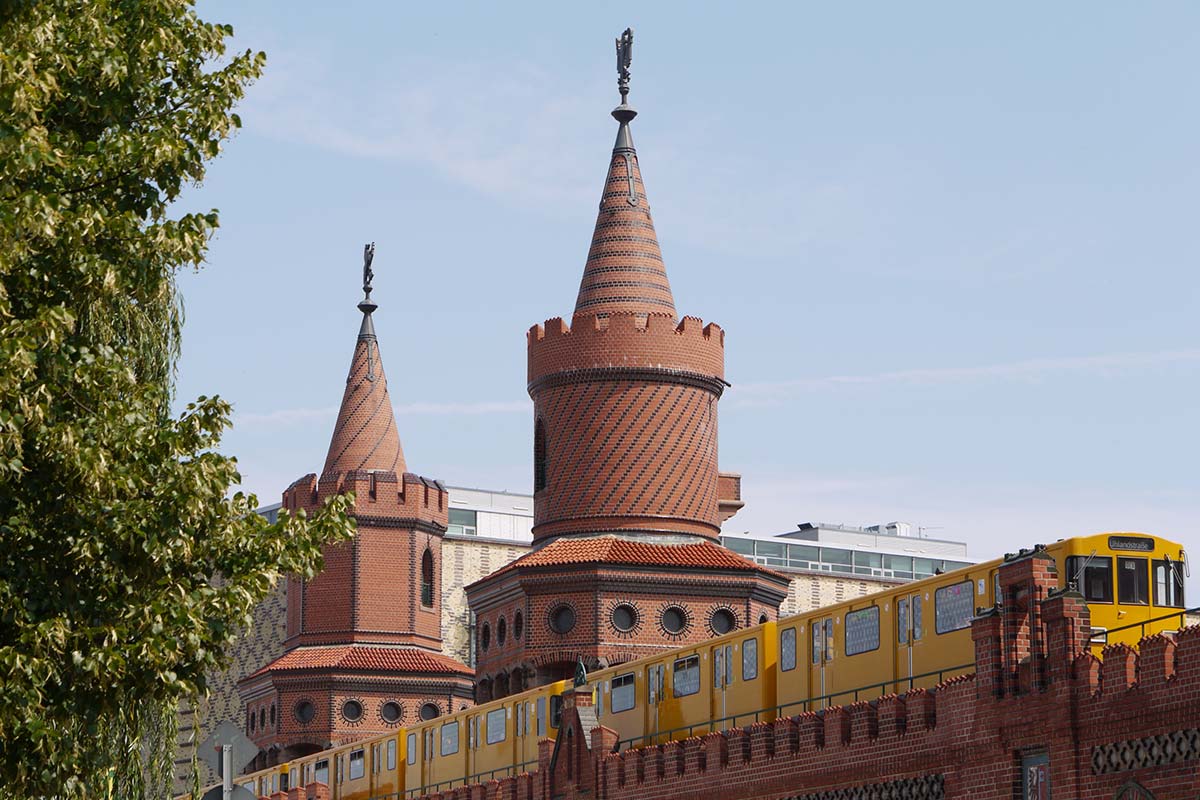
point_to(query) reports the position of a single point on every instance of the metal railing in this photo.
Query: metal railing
(467, 780)
(775, 712)
(1181, 614)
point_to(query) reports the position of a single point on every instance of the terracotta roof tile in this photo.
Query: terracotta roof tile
(364, 657)
(615, 550)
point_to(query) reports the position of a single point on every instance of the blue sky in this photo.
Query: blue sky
(950, 246)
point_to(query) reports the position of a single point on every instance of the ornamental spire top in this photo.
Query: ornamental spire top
(624, 59)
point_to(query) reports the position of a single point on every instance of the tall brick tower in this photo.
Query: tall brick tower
(363, 647)
(628, 497)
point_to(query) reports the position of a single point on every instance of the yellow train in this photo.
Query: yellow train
(912, 635)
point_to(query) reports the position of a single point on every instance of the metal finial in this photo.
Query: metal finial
(368, 273)
(624, 59)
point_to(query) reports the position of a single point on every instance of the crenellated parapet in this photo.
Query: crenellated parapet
(625, 342)
(380, 498)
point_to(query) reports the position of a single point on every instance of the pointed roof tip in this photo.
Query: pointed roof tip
(365, 436)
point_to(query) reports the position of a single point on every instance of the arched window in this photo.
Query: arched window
(539, 456)
(427, 579)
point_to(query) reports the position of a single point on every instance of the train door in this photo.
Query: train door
(910, 616)
(822, 657)
(722, 661)
(654, 697)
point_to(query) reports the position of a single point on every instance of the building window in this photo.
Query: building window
(485, 636)
(463, 522)
(1168, 583)
(953, 607)
(862, 631)
(623, 692)
(1131, 581)
(686, 676)
(262, 718)
(539, 456)
(430, 711)
(763, 619)
(624, 617)
(427, 579)
(1093, 577)
(352, 710)
(562, 619)
(391, 712)
(273, 711)
(722, 621)
(674, 620)
(501, 631)
(253, 719)
(304, 711)
(518, 625)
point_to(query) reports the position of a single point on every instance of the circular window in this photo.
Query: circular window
(624, 617)
(304, 711)
(501, 631)
(562, 619)
(763, 619)
(390, 711)
(518, 625)
(485, 636)
(430, 711)
(722, 621)
(352, 710)
(272, 713)
(674, 619)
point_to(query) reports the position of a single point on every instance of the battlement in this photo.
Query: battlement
(626, 341)
(378, 495)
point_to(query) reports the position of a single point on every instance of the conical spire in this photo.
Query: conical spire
(365, 437)
(624, 270)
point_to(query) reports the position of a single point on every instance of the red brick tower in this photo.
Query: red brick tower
(628, 497)
(363, 647)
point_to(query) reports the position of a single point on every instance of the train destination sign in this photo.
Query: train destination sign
(1142, 544)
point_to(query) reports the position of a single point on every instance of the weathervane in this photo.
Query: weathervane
(368, 273)
(624, 59)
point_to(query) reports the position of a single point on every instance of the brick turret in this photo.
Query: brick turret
(363, 647)
(627, 495)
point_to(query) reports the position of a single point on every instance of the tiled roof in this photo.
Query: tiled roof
(615, 550)
(368, 658)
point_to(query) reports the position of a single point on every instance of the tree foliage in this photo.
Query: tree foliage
(114, 513)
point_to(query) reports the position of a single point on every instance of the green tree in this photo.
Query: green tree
(115, 514)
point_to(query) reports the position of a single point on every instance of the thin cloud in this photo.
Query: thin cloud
(287, 417)
(768, 392)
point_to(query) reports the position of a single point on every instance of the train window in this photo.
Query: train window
(412, 750)
(902, 620)
(1131, 581)
(787, 649)
(1168, 583)
(818, 642)
(556, 711)
(449, 738)
(283, 781)
(829, 639)
(862, 631)
(623, 692)
(654, 683)
(541, 716)
(357, 764)
(391, 754)
(686, 676)
(918, 618)
(953, 607)
(519, 730)
(749, 659)
(495, 726)
(376, 761)
(1096, 580)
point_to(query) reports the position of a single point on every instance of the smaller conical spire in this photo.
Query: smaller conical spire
(365, 436)
(624, 271)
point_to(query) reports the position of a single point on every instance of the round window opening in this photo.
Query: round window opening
(722, 621)
(562, 620)
(624, 617)
(485, 636)
(674, 620)
(390, 711)
(430, 711)
(763, 618)
(305, 711)
(501, 631)
(352, 710)
(518, 625)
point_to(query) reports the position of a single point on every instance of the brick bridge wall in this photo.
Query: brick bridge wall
(1125, 726)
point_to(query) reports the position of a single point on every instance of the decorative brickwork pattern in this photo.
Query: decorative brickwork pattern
(365, 436)
(927, 787)
(1152, 751)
